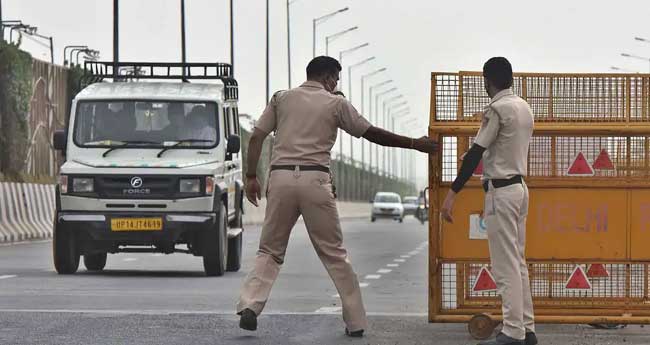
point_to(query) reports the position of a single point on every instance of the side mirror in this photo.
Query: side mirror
(60, 140)
(234, 144)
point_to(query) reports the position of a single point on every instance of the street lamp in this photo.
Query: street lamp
(395, 112)
(65, 54)
(320, 20)
(635, 57)
(641, 39)
(32, 31)
(345, 52)
(334, 37)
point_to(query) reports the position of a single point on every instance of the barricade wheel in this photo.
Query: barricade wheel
(481, 326)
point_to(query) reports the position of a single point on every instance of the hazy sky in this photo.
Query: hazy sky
(411, 38)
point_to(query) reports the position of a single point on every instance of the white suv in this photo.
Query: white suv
(151, 167)
(387, 205)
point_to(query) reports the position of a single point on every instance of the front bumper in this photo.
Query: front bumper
(94, 229)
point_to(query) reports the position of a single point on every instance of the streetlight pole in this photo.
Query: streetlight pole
(370, 112)
(392, 151)
(289, 2)
(183, 39)
(363, 104)
(320, 20)
(268, 82)
(232, 37)
(350, 68)
(332, 38)
(396, 115)
(116, 38)
(65, 56)
(387, 123)
(636, 57)
(383, 122)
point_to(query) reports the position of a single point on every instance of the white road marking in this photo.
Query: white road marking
(399, 260)
(158, 254)
(384, 271)
(336, 296)
(405, 256)
(373, 276)
(182, 312)
(328, 310)
(130, 259)
(415, 252)
(362, 285)
(7, 276)
(392, 265)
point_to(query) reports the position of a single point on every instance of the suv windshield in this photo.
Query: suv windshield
(387, 198)
(411, 200)
(156, 123)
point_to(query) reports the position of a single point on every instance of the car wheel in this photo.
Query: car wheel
(373, 219)
(215, 246)
(95, 262)
(401, 220)
(64, 249)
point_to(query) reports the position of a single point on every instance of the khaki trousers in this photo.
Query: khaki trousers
(289, 195)
(506, 210)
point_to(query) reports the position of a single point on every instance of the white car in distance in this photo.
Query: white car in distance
(387, 205)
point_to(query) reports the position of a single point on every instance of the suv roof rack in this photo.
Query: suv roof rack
(96, 71)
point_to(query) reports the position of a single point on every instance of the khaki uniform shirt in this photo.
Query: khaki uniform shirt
(505, 132)
(306, 120)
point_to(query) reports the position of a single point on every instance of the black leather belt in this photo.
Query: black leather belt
(499, 183)
(301, 168)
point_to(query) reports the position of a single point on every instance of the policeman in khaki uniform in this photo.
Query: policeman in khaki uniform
(306, 120)
(503, 142)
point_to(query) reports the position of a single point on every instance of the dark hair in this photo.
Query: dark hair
(322, 65)
(498, 71)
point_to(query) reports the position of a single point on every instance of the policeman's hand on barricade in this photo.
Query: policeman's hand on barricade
(253, 190)
(426, 145)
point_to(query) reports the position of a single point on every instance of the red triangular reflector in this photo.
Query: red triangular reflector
(597, 271)
(484, 282)
(580, 167)
(479, 169)
(603, 162)
(578, 280)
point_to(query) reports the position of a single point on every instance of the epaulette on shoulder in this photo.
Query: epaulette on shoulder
(279, 93)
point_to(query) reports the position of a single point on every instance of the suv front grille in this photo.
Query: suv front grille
(119, 187)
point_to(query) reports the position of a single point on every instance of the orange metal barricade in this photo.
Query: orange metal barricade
(588, 230)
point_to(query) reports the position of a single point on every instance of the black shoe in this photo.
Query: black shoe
(531, 338)
(355, 334)
(248, 320)
(502, 339)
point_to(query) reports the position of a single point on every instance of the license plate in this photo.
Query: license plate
(136, 224)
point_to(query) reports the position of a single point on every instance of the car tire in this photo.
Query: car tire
(373, 219)
(401, 220)
(235, 250)
(64, 250)
(215, 246)
(95, 262)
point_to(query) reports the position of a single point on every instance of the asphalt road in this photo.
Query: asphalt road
(166, 299)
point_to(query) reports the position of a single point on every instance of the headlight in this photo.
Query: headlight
(63, 184)
(83, 185)
(190, 186)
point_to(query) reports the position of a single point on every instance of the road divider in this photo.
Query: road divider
(26, 211)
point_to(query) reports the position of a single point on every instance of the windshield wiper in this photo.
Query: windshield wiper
(125, 144)
(182, 141)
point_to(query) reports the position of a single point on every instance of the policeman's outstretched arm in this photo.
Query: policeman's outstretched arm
(470, 161)
(253, 189)
(385, 138)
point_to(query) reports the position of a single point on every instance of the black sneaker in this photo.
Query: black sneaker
(502, 339)
(531, 338)
(248, 320)
(355, 334)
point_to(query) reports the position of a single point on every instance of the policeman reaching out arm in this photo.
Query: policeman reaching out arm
(306, 120)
